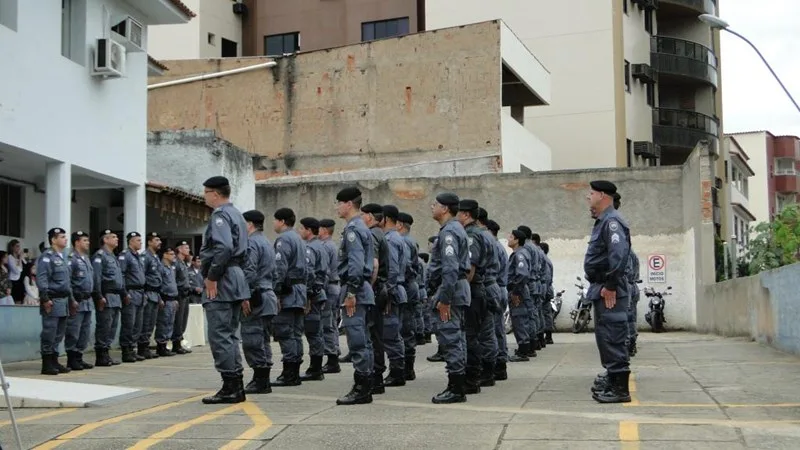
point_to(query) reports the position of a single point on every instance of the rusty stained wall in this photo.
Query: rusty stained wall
(422, 97)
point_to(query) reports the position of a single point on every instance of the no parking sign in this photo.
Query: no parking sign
(656, 269)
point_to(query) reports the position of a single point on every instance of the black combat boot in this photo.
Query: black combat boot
(47, 365)
(60, 367)
(360, 393)
(128, 355)
(500, 372)
(530, 348)
(178, 349)
(428, 338)
(348, 358)
(632, 348)
(314, 371)
(487, 374)
(332, 366)
(519, 355)
(549, 337)
(542, 341)
(454, 393)
(83, 363)
(260, 383)
(161, 350)
(438, 356)
(144, 351)
(472, 385)
(232, 391)
(74, 361)
(410, 375)
(420, 338)
(396, 377)
(534, 345)
(377, 384)
(101, 358)
(617, 391)
(290, 376)
(600, 383)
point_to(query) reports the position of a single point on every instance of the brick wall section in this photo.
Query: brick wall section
(422, 97)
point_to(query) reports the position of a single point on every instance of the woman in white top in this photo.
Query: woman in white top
(16, 264)
(31, 290)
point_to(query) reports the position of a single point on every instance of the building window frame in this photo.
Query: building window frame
(383, 29)
(650, 93)
(289, 43)
(627, 76)
(12, 210)
(648, 21)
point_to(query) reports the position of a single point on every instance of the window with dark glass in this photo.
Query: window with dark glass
(384, 29)
(648, 21)
(625, 6)
(627, 76)
(10, 210)
(279, 44)
(651, 94)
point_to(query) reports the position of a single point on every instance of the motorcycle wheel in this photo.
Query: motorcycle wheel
(581, 321)
(658, 323)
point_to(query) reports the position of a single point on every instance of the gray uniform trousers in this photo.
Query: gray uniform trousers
(487, 336)
(181, 318)
(520, 320)
(533, 312)
(393, 340)
(633, 312)
(166, 321)
(499, 326)
(330, 319)
(107, 322)
(433, 313)
(453, 339)
(79, 327)
(255, 341)
(476, 323)
(54, 326)
(288, 328)
(547, 316)
(149, 317)
(132, 316)
(611, 334)
(357, 330)
(408, 321)
(418, 309)
(427, 313)
(312, 327)
(223, 321)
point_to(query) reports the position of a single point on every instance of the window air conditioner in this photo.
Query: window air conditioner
(130, 32)
(109, 59)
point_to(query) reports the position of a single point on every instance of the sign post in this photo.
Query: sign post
(656, 269)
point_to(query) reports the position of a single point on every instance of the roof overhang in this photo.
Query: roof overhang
(163, 12)
(742, 163)
(155, 68)
(170, 201)
(526, 82)
(742, 211)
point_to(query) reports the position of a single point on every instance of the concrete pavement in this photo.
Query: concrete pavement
(690, 391)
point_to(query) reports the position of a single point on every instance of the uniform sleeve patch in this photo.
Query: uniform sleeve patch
(615, 238)
(449, 251)
(46, 259)
(122, 258)
(521, 264)
(448, 239)
(613, 226)
(218, 221)
(351, 237)
(98, 260)
(470, 241)
(277, 256)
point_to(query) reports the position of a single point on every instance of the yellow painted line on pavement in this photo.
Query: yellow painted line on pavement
(36, 417)
(629, 435)
(261, 423)
(632, 389)
(177, 428)
(723, 405)
(89, 427)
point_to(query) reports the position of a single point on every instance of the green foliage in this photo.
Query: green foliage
(775, 244)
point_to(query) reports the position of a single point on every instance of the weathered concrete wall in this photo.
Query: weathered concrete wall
(422, 97)
(765, 307)
(185, 159)
(554, 205)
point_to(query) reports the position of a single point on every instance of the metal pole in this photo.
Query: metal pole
(5, 386)
(766, 64)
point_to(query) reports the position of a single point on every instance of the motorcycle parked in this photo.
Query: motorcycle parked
(655, 317)
(582, 314)
(555, 304)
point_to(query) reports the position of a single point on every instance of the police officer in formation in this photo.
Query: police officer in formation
(547, 311)
(606, 263)
(55, 297)
(520, 299)
(331, 312)
(317, 281)
(82, 282)
(183, 259)
(152, 293)
(413, 322)
(372, 216)
(109, 292)
(397, 313)
(501, 280)
(169, 295)
(132, 266)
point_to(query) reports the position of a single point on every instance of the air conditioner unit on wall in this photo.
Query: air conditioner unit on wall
(644, 72)
(129, 32)
(647, 150)
(109, 59)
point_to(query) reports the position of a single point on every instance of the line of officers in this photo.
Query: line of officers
(377, 281)
(134, 292)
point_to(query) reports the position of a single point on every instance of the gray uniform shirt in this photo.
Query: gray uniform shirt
(633, 273)
(399, 259)
(356, 255)
(224, 252)
(452, 251)
(108, 281)
(479, 254)
(152, 275)
(260, 273)
(182, 277)
(319, 270)
(169, 285)
(290, 269)
(331, 256)
(502, 263)
(413, 278)
(82, 280)
(519, 272)
(53, 276)
(607, 255)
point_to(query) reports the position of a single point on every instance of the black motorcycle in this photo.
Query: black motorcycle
(582, 314)
(555, 304)
(655, 317)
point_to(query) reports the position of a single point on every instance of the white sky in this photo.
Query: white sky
(751, 98)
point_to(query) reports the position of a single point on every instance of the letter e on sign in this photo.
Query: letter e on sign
(656, 269)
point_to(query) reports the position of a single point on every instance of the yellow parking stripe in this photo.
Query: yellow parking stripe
(177, 428)
(39, 416)
(261, 424)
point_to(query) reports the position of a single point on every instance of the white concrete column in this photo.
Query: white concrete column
(58, 197)
(135, 209)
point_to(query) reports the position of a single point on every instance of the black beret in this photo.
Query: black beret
(327, 223)
(405, 218)
(527, 230)
(106, 233)
(164, 251)
(603, 186)
(483, 215)
(310, 223)
(77, 235)
(53, 232)
(447, 199)
(284, 214)
(216, 182)
(372, 208)
(545, 247)
(391, 212)
(152, 235)
(467, 205)
(132, 235)
(492, 226)
(254, 216)
(348, 194)
(432, 239)
(519, 234)
(182, 243)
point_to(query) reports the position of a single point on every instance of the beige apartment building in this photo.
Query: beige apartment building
(216, 32)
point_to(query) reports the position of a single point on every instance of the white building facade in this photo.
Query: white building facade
(72, 140)
(740, 173)
(216, 32)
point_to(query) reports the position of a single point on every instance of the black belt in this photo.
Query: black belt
(80, 296)
(489, 283)
(595, 279)
(462, 277)
(169, 298)
(135, 288)
(57, 294)
(344, 282)
(152, 289)
(114, 291)
(296, 282)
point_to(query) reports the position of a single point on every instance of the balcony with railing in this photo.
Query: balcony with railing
(684, 60)
(786, 180)
(686, 7)
(683, 129)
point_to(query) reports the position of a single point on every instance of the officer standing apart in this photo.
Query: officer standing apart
(79, 325)
(182, 261)
(262, 306)
(355, 266)
(605, 263)
(55, 300)
(632, 274)
(290, 287)
(317, 297)
(395, 343)
(109, 293)
(331, 311)
(450, 264)
(223, 254)
(152, 294)
(130, 262)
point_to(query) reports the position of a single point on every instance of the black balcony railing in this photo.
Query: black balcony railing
(671, 56)
(683, 129)
(696, 6)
